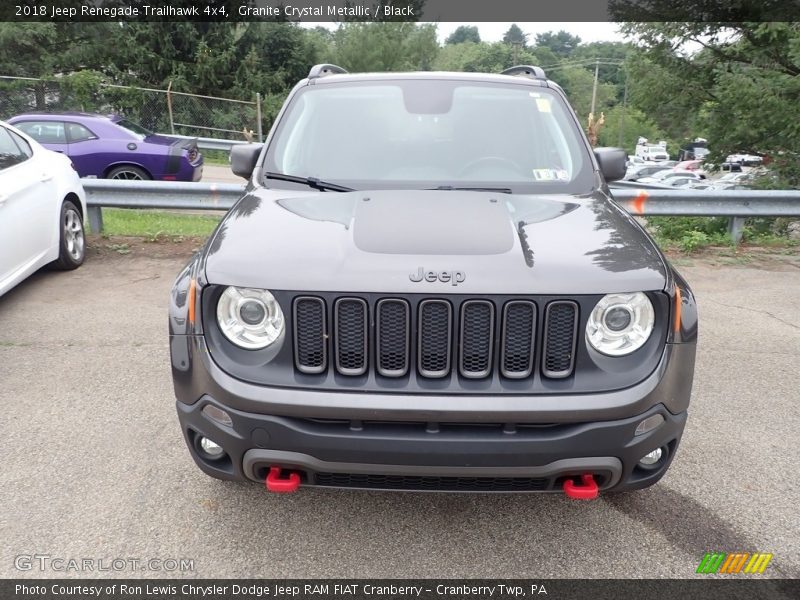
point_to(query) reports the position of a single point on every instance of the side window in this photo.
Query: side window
(44, 132)
(22, 144)
(78, 133)
(10, 154)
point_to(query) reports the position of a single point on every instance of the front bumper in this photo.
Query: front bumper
(432, 442)
(420, 456)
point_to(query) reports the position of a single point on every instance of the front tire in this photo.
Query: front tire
(72, 239)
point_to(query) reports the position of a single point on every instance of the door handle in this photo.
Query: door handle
(46, 177)
(3, 200)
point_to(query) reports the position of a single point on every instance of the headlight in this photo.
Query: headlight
(620, 323)
(250, 318)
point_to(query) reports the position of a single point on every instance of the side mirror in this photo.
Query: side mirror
(244, 159)
(611, 162)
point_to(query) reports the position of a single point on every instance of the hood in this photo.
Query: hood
(404, 241)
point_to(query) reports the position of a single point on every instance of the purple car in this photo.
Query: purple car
(112, 147)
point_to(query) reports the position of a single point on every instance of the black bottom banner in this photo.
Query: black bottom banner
(401, 589)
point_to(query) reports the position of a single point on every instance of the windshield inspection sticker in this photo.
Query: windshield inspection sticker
(550, 175)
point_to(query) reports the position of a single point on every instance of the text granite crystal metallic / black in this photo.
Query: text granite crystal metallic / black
(426, 286)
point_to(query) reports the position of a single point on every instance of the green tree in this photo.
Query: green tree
(577, 83)
(562, 43)
(515, 35)
(737, 84)
(464, 33)
(623, 127)
(481, 58)
(393, 46)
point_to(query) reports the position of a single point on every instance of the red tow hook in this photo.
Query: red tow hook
(275, 481)
(587, 490)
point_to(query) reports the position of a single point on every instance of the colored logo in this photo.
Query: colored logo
(735, 562)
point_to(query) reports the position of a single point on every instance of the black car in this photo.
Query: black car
(427, 286)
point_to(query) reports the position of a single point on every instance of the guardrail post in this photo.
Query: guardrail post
(735, 229)
(96, 219)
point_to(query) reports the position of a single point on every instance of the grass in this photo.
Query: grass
(689, 234)
(155, 224)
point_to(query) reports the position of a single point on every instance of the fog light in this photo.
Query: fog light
(211, 448)
(217, 414)
(651, 458)
(648, 424)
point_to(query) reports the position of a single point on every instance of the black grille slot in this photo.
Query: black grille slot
(519, 329)
(477, 338)
(393, 330)
(560, 331)
(435, 339)
(427, 482)
(310, 335)
(350, 330)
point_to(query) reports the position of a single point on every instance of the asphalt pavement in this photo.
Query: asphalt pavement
(94, 465)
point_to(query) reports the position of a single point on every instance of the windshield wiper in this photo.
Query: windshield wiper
(501, 190)
(310, 182)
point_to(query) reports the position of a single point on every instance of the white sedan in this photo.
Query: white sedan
(42, 206)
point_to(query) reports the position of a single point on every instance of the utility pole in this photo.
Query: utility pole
(594, 87)
(624, 110)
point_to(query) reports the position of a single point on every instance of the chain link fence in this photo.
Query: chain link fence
(163, 111)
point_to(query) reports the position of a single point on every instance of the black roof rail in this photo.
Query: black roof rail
(323, 70)
(526, 71)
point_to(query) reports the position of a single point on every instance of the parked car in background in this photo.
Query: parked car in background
(729, 180)
(689, 165)
(634, 160)
(113, 147)
(665, 177)
(42, 206)
(731, 167)
(684, 182)
(747, 160)
(697, 149)
(651, 152)
(646, 170)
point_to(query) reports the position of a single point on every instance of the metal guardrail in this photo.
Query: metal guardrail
(738, 205)
(111, 193)
(206, 143)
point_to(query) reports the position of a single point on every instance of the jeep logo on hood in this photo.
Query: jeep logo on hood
(453, 277)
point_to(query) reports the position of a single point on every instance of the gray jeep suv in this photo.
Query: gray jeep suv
(427, 286)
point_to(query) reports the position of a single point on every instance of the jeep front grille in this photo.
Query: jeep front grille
(386, 336)
(519, 331)
(310, 335)
(477, 338)
(435, 337)
(350, 337)
(393, 337)
(560, 328)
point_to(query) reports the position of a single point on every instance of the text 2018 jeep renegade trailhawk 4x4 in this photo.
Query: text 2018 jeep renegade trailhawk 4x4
(426, 286)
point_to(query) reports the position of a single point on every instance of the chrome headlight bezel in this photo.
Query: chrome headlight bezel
(620, 341)
(240, 332)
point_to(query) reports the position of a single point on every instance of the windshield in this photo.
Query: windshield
(134, 128)
(431, 133)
